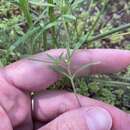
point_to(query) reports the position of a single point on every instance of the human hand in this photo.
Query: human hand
(58, 108)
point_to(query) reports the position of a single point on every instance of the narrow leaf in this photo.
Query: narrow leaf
(85, 67)
(24, 5)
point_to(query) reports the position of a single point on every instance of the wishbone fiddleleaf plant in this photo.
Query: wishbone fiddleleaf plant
(62, 65)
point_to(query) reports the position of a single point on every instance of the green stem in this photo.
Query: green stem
(75, 92)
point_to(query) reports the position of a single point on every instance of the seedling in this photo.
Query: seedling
(62, 65)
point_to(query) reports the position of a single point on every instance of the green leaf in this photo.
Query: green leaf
(39, 60)
(69, 17)
(56, 60)
(50, 25)
(60, 69)
(77, 4)
(41, 3)
(85, 67)
(51, 57)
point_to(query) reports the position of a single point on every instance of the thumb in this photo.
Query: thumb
(92, 118)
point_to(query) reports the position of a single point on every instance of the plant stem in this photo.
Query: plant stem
(74, 89)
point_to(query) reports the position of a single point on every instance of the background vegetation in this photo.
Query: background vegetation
(31, 26)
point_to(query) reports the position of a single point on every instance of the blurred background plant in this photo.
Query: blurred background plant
(31, 26)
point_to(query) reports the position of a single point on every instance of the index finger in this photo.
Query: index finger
(35, 76)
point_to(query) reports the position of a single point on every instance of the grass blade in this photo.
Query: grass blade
(84, 40)
(106, 34)
(24, 5)
(52, 19)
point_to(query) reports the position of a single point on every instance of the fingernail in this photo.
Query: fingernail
(98, 119)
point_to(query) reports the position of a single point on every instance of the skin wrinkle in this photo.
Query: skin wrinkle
(6, 123)
(62, 108)
(1, 79)
(44, 114)
(68, 120)
(87, 102)
(3, 114)
(67, 101)
(5, 76)
(14, 102)
(14, 99)
(64, 105)
(41, 112)
(70, 98)
(14, 106)
(5, 99)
